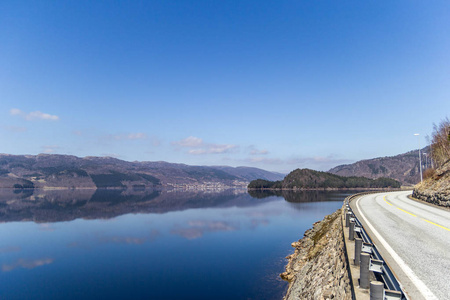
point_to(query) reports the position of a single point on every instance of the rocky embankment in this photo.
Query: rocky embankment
(435, 189)
(318, 269)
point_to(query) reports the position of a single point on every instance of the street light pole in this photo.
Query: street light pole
(420, 158)
(431, 156)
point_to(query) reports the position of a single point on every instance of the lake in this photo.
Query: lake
(86, 244)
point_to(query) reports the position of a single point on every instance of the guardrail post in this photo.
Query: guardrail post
(347, 219)
(351, 231)
(376, 290)
(364, 271)
(358, 247)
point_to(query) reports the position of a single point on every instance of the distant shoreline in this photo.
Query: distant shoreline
(330, 189)
(227, 188)
(149, 188)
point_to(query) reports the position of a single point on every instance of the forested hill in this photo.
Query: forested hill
(403, 167)
(310, 179)
(66, 171)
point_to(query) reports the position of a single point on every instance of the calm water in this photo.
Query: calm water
(151, 245)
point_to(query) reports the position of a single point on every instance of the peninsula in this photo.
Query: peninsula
(310, 179)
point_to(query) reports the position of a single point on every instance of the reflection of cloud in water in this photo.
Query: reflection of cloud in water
(46, 227)
(154, 234)
(75, 245)
(26, 264)
(264, 213)
(110, 220)
(9, 249)
(255, 214)
(188, 233)
(200, 227)
(267, 210)
(131, 240)
(257, 222)
(124, 240)
(212, 225)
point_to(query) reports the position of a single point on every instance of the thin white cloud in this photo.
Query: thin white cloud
(49, 149)
(255, 151)
(190, 141)
(113, 155)
(265, 160)
(259, 152)
(151, 140)
(321, 163)
(212, 149)
(15, 112)
(198, 146)
(37, 115)
(16, 129)
(34, 115)
(325, 162)
(155, 141)
(130, 136)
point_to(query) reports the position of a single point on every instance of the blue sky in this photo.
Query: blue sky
(272, 84)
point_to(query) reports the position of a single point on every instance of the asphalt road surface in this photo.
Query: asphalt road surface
(413, 238)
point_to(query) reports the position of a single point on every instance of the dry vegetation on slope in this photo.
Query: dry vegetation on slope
(436, 186)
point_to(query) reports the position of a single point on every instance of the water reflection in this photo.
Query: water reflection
(146, 244)
(26, 264)
(65, 205)
(9, 249)
(197, 228)
(301, 196)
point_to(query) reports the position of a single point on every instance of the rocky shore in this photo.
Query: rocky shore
(318, 269)
(436, 189)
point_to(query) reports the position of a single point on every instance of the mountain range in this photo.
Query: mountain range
(66, 171)
(403, 167)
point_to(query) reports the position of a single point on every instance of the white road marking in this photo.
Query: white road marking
(423, 289)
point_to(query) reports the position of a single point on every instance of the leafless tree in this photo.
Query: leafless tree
(440, 143)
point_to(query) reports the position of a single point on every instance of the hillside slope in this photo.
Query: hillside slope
(435, 189)
(311, 179)
(66, 171)
(251, 173)
(403, 167)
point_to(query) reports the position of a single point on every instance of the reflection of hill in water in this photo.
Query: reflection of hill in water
(65, 205)
(301, 196)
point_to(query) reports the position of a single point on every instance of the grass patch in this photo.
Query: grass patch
(319, 234)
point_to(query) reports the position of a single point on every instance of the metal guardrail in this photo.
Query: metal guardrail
(364, 247)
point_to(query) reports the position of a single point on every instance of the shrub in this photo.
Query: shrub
(440, 143)
(428, 173)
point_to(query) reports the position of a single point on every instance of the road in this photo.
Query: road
(413, 238)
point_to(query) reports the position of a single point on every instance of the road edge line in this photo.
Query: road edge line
(420, 285)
